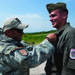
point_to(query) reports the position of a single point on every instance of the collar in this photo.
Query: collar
(5, 38)
(62, 28)
(10, 40)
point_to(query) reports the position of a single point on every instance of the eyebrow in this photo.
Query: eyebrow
(52, 15)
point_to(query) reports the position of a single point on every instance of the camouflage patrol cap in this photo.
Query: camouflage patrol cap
(51, 7)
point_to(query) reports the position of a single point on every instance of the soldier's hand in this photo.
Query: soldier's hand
(52, 37)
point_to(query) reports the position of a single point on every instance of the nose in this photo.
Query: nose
(22, 33)
(50, 18)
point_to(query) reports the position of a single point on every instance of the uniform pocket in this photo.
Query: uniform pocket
(71, 63)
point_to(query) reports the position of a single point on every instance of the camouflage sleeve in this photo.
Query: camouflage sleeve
(20, 58)
(40, 54)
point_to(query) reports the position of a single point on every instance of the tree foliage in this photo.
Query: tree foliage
(36, 37)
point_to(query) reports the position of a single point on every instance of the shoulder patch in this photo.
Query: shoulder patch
(23, 52)
(18, 47)
(72, 53)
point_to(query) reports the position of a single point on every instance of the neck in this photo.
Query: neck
(62, 24)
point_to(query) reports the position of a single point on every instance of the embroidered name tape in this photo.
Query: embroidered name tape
(18, 47)
(23, 52)
(72, 53)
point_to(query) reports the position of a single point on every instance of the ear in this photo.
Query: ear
(64, 15)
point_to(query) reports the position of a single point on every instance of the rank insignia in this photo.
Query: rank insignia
(72, 53)
(23, 52)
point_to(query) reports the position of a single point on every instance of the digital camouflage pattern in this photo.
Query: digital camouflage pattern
(17, 58)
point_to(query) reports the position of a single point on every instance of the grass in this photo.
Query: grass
(36, 38)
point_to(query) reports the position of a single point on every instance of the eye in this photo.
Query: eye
(53, 15)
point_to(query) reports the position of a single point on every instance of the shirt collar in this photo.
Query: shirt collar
(62, 28)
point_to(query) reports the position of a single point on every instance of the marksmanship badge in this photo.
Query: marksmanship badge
(23, 52)
(72, 53)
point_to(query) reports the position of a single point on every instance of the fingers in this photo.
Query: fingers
(52, 36)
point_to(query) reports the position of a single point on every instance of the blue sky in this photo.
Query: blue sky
(33, 12)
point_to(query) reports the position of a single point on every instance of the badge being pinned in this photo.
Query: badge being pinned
(23, 52)
(72, 54)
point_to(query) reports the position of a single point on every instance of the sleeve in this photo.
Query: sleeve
(69, 55)
(21, 57)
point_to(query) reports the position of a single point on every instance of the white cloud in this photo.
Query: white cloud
(36, 22)
(28, 16)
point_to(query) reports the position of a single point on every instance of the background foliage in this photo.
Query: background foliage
(36, 37)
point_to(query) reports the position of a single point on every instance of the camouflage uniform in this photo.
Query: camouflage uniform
(16, 58)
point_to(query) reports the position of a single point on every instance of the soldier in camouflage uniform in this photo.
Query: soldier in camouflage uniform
(16, 58)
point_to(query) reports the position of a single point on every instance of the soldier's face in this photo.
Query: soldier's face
(17, 35)
(56, 19)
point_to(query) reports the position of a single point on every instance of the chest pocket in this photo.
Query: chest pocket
(61, 36)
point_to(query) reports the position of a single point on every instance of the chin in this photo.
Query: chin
(20, 40)
(54, 26)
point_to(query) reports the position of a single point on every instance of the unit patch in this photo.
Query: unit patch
(23, 52)
(72, 53)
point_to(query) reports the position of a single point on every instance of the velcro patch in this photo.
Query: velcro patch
(23, 52)
(72, 53)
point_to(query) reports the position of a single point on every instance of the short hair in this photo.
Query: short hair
(62, 10)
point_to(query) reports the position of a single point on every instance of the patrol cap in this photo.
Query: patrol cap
(13, 22)
(51, 7)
